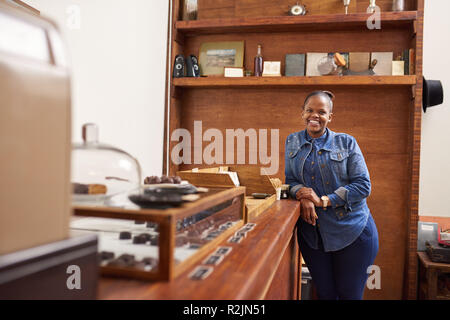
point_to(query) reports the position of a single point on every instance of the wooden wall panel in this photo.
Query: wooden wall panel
(389, 177)
(381, 131)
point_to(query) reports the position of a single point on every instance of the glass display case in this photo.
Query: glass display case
(159, 244)
(101, 172)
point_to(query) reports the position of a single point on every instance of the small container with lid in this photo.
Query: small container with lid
(332, 64)
(101, 171)
(398, 5)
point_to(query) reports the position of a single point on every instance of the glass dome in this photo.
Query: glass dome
(101, 171)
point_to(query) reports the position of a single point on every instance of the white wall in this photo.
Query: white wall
(118, 58)
(435, 148)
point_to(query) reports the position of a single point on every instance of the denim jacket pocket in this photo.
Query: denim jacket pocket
(341, 213)
(291, 153)
(339, 162)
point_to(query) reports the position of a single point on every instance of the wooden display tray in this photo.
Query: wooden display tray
(249, 176)
(167, 219)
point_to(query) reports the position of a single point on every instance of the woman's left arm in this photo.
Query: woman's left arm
(359, 187)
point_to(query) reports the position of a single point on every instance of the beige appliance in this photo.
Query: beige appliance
(35, 140)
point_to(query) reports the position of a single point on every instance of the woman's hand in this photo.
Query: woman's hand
(308, 193)
(308, 211)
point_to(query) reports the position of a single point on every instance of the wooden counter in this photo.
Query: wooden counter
(265, 265)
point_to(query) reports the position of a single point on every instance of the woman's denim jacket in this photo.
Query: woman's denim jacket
(346, 181)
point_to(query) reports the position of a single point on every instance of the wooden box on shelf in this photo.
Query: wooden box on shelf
(219, 210)
(249, 177)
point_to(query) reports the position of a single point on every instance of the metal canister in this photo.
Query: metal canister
(398, 5)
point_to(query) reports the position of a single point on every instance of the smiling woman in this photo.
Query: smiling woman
(327, 173)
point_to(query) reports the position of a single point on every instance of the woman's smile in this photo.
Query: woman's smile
(314, 123)
(316, 115)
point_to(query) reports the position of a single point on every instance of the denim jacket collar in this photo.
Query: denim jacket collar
(328, 145)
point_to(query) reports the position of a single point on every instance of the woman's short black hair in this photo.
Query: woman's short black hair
(327, 94)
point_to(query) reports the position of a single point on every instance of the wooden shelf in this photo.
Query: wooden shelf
(289, 23)
(207, 82)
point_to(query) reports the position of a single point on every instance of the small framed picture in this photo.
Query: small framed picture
(248, 227)
(235, 239)
(213, 259)
(200, 273)
(223, 251)
(241, 233)
(215, 56)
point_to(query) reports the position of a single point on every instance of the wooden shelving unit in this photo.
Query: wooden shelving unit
(214, 82)
(382, 112)
(287, 23)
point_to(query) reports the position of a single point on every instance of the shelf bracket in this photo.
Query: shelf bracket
(413, 92)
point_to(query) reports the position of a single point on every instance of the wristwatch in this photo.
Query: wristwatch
(325, 200)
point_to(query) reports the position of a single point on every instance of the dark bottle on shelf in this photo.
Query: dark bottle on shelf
(258, 63)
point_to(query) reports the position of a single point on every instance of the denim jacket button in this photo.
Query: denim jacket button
(328, 182)
(320, 152)
(290, 153)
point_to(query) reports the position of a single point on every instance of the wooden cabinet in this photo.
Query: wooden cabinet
(265, 265)
(429, 273)
(382, 112)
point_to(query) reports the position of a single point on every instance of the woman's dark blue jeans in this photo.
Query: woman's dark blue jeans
(342, 274)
